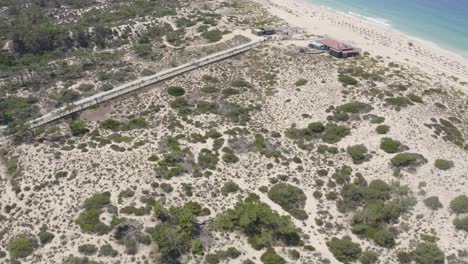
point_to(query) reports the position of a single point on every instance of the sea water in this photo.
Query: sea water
(442, 22)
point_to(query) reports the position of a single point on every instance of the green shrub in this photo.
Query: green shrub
(389, 145)
(461, 223)
(316, 127)
(433, 203)
(77, 260)
(78, 128)
(207, 159)
(231, 253)
(382, 129)
(229, 187)
(369, 257)
(354, 108)
(197, 247)
(230, 91)
(289, 197)
(45, 237)
(212, 258)
(88, 220)
(404, 257)
(240, 83)
(397, 101)
(176, 91)
(294, 254)
(111, 124)
(87, 249)
(459, 205)
(334, 134)
(131, 247)
(383, 237)
(415, 98)
(344, 249)
(210, 89)
(97, 200)
(358, 153)
(263, 226)
(230, 158)
(166, 187)
(299, 214)
(271, 257)
(107, 251)
(405, 159)
(175, 233)
(442, 164)
(428, 253)
(301, 82)
(212, 36)
(22, 246)
(347, 80)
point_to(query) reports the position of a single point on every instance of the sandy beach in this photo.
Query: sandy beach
(379, 40)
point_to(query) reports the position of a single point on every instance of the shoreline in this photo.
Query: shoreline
(387, 24)
(377, 39)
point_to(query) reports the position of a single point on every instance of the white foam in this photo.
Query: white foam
(376, 20)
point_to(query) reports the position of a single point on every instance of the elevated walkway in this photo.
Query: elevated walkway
(140, 83)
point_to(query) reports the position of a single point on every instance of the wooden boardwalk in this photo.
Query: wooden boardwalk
(140, 83)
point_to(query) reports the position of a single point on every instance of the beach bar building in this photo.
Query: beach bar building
(338, 49)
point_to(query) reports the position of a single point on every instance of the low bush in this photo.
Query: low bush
(78, 128)
(459, 204)
(197, 247)
(289, 197)
(89, 219)
(347, 80)
(428, 253)
(432, 203)
(107, 251)
(22, 246)
(229, 187)
(175, 91)
(344, 249)
(301, 82)
(397, 101)
(442, 164)
(263, 226)
(240, 83)
(406, 159)
(176, 232)
(382, 129)
(461, 223)
(389, 145)
(369, 257)
(45, 237)
(212, 36)
(230, 157)
(271, 257)
(358, 153)
(87, 249)
(334, 133)
(415, 98)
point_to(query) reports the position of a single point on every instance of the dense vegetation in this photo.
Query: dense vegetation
(290, 198)
(177, 233)
(344, 249)
(263, 226)
(89, 220)
(378, 209)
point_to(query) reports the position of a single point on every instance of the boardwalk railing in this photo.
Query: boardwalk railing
(140, 83)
